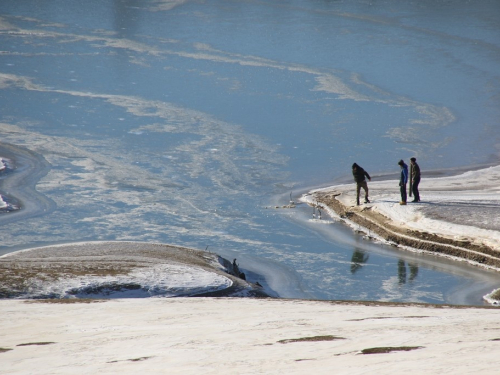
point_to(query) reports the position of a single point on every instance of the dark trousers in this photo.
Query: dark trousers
(360, 185)
(414, 189)
(403, 192)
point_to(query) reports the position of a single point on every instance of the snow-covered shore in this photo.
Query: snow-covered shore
(119, 270)
(458, 216)
(463, 207)
(245, 336)
(218, 335)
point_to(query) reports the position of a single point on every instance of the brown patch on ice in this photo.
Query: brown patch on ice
(37, 343)
(388, 317)
(495, 295)
(140, 359)
(312, 338)
(401, 236)
(389, 349)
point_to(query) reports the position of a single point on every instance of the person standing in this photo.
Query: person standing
(414, 179)
(359, 176)
(403, 180)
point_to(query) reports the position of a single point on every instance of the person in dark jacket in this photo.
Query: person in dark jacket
(402, 181)
(359, 176)
(414, 179)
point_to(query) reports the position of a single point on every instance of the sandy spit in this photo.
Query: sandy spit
(45, 272)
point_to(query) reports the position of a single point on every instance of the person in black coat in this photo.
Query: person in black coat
(414, 179)
(359, 176)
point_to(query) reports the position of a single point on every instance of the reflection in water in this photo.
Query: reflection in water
(359, 257)
(125, 17)
(413, 271)
(402, 271)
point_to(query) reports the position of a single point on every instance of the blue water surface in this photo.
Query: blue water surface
(185, 122)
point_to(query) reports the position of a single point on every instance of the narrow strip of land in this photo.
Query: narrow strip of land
(457, 217)
(401, 235)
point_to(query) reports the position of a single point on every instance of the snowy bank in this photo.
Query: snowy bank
(245, 336)
(457, 216)
(118, 270)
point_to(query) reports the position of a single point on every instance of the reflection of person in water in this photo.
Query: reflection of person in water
(413, 271)
(358, 259)
(402, 272)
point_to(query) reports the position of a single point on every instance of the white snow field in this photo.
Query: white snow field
(245, 336)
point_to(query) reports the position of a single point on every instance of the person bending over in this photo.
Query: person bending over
(359, 177)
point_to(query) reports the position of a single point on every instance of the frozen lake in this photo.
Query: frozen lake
(182, 121)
